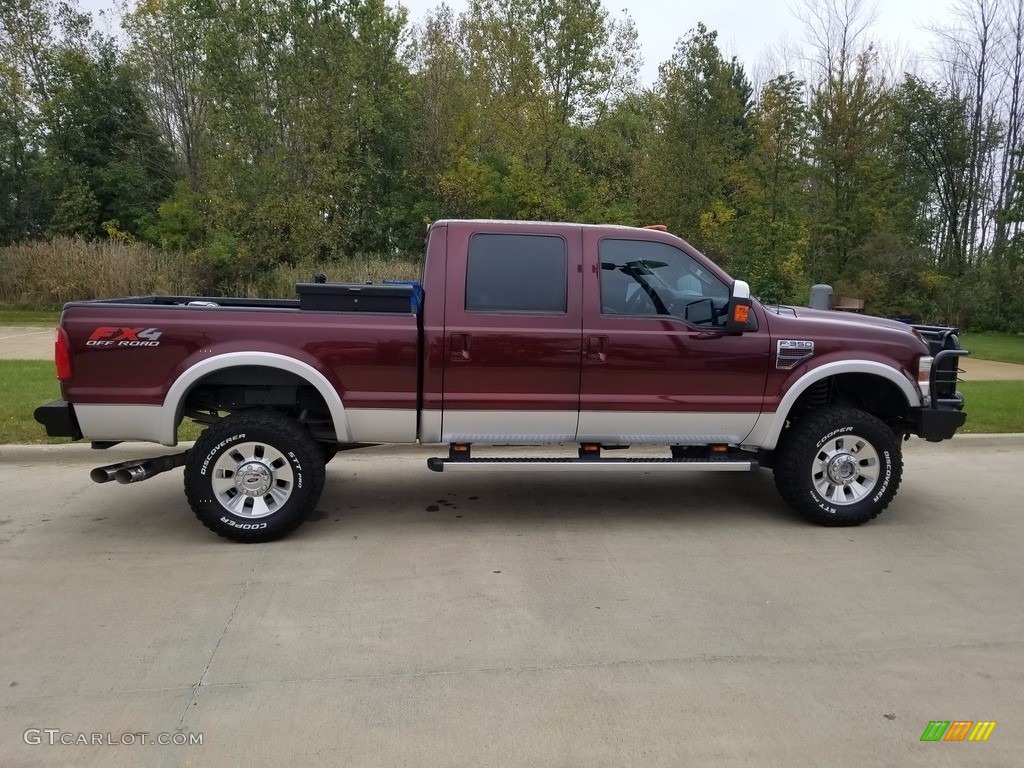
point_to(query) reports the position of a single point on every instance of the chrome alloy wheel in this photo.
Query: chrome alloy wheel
(252, 480)
(845, 470)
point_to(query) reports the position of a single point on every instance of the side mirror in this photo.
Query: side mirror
(739, 309)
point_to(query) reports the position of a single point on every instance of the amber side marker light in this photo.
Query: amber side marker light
(741, 313)
(657, 227)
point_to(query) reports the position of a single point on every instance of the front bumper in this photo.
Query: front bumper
(935, 424)
(59, 419)
(943, 411)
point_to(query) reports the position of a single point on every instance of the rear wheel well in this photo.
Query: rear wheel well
(864, 391)
(250, 387)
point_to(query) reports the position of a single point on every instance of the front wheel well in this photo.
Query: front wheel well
(864, 391)
(250, 387)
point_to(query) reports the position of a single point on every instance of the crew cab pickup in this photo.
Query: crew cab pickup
(588, 338)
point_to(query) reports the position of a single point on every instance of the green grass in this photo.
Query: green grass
(17, 316)
(1001, 347)
(25, 384)
(993, 406)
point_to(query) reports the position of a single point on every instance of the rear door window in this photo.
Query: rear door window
(516, 273)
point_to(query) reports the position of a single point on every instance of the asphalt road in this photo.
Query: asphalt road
(513, 620)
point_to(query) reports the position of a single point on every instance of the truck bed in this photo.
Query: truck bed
(389, 297)
(132, 350)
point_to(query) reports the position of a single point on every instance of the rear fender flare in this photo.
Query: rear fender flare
(179, 390)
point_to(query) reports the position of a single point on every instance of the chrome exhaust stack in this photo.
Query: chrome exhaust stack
(106, 474)
(137, 470)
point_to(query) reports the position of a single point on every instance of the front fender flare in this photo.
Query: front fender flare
(769, 426)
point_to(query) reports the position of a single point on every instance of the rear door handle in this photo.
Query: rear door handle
(458, 348)
(597, 349)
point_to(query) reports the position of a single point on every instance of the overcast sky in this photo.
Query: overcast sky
(746, 28)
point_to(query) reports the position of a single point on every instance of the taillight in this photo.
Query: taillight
(62, 354)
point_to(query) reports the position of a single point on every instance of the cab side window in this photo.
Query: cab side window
(516, 273)
(642, 277)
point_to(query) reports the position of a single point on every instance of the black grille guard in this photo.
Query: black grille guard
(944, 346)
(943, 378)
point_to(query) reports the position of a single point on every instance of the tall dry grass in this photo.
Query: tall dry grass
(47, 274)
(280, 283)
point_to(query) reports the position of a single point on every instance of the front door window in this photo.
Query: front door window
(650, 278)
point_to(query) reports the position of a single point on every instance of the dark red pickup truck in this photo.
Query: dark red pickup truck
(600, 337)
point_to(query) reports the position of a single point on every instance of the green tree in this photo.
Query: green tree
(104, 159)
(79, 147)
(696, 156)
(308, 124)
(770, 236)
(933, 129)
(851, 181)
(443, 108)
(18, 206)
(527, 87)
(168, 39)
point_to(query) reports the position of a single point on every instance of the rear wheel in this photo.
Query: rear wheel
(838, 466)
(254, 476)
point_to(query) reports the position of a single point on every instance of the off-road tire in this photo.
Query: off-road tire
(838, 466)
(255, 476)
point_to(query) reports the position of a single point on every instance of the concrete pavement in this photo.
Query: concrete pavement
(514, 620)
(26, 343)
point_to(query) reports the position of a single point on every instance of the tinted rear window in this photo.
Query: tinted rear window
(516, 273)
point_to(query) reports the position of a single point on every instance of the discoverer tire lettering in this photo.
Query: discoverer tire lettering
(206, 461)
(861, 451)
(255, 476)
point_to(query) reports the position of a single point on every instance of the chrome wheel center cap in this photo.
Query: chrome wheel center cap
(842, 469)
(253, 479)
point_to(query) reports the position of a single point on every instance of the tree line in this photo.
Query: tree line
(249, 134)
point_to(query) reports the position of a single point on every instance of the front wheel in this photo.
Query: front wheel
(838, 466)
(255, 476)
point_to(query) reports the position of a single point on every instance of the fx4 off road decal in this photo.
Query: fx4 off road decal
(114, 336)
